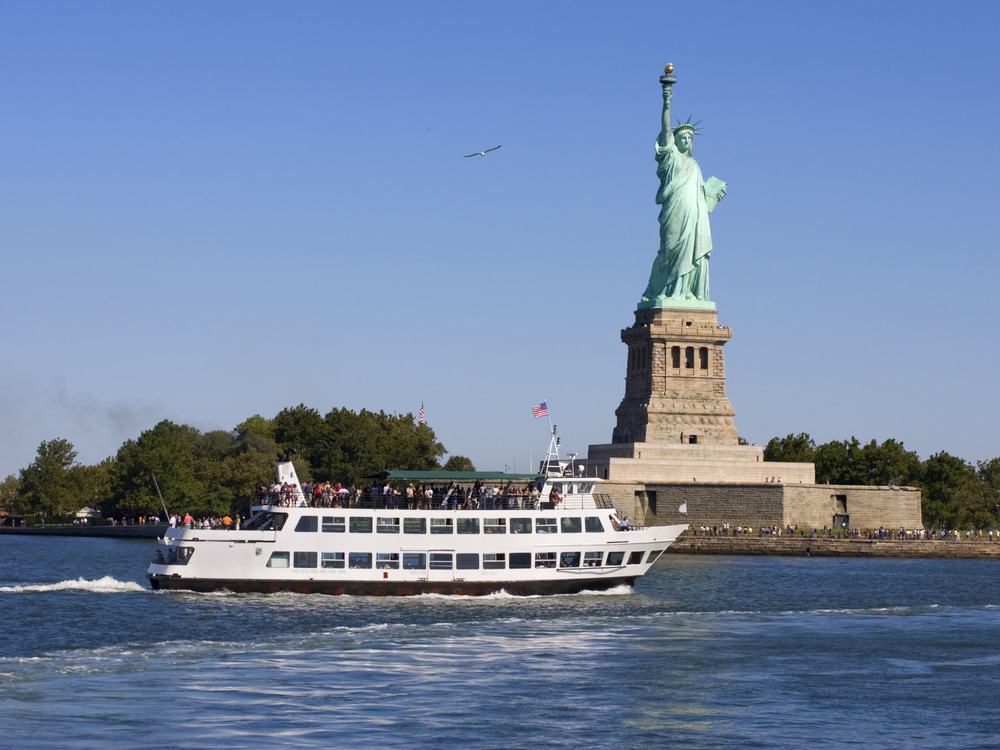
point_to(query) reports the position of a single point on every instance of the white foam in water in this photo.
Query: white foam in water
(105, 585)
(621, 589)
(501, 594)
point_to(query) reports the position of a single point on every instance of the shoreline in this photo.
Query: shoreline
(806, 547)
(136, 531)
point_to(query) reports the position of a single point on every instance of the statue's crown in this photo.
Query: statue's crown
(692, 127)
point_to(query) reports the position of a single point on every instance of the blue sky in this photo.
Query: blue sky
(212, 210)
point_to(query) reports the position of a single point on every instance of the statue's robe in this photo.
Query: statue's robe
(681, 265)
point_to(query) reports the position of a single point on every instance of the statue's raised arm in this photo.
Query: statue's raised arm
(667, 81)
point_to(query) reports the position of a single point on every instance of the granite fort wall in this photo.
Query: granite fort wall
(756, 505)
(709, 504)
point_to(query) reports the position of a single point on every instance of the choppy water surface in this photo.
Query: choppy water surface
(704, 652)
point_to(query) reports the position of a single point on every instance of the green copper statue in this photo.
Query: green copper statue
(680, 272)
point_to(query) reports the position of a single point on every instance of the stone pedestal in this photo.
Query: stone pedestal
(675, 383)
(675, 423)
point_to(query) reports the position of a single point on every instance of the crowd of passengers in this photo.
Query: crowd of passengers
(188, 521)
(901, 533)
(412, 497)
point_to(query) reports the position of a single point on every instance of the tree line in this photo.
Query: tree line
(954, 493)
(218, 472)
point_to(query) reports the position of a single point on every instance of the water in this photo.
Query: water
(705, 652)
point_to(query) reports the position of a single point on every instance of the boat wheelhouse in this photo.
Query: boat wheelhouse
(470, 533)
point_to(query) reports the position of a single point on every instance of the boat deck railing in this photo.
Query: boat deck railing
(378, 501)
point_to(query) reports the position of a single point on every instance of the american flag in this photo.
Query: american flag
(421, 416)
(540, 410)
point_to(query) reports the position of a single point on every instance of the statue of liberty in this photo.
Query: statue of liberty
(680, 271)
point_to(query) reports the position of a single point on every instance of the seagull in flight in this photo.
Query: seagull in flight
(483, 153)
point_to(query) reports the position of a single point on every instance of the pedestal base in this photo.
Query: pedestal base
(675, 383)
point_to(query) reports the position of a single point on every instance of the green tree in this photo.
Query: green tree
(93, 484)
(953, 495)
(239, 477)
(832, 462)
(795, 448)
(459, 463)
(305, 437)
(889, 463)
(218, 471)
(168, 451)
(989, 475)
(8, 495)
(257, 434)
(46, 483)
(874, 463)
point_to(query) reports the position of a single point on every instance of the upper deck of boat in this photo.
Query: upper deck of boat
(442, 490)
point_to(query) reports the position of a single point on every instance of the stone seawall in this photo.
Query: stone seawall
(805, 547)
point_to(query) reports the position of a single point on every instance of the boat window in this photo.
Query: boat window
(278, 560)
(414, 525)
(592, 559)
(442, 526)
(570, 525)
(586, 489)
(467, 561)
(361, 525)
(256, 520)
(265, 521)
(520, 526)
(414, 561)
(545, 526)
(386, 560)
(307, 523)
(468, 525)
(569, 559)
(545, 559)
(634, 558)
(335, 524)
(305, 559)
(359, 559)
(651, 558)
(332, 560)
(593, 523)
(441, 560)
(387, 525)
(494, 561)
(173, 555)
(615, 558)
(520, 560)
(494, 525)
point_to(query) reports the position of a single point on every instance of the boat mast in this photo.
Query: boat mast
(553, 450)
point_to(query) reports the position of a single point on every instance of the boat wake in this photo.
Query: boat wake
(620, 590)
(501, 594)
(105, 585)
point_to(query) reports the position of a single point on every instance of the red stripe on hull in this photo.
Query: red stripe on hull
(390, 588)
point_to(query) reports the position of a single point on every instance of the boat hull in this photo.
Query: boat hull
(390, 588)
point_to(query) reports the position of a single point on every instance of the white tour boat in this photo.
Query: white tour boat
(479, 533)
